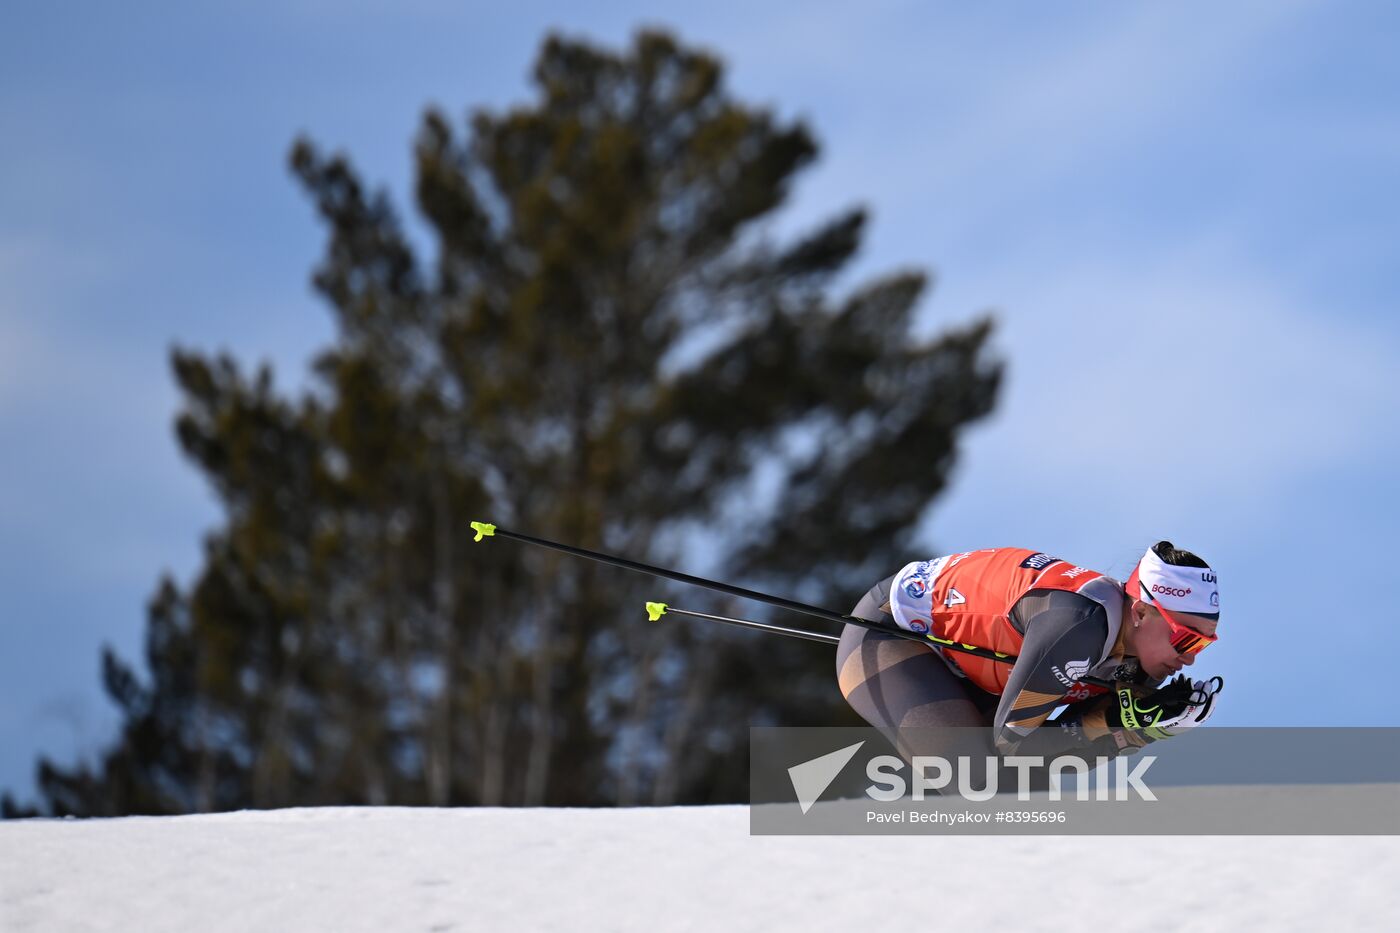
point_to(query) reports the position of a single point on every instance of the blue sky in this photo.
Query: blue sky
(1182, 215)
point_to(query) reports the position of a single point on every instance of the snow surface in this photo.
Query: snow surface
(682, 868)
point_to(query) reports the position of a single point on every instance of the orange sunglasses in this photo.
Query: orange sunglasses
(1184, 638)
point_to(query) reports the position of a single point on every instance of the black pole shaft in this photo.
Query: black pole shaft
(875, 626)
(676, 575)
(827, 614)
(761, 626)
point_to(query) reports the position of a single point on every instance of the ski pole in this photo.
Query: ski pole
(656, 610)
(484, 529)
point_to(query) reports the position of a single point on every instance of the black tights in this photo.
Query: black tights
(908, 692)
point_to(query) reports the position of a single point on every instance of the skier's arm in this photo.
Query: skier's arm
(1064, 638)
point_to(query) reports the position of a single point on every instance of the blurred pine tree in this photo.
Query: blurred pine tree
(607, 350)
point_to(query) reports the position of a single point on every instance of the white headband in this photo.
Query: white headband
(1181, 589)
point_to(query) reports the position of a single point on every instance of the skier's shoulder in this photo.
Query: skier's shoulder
(1060, 608)
(981, 558)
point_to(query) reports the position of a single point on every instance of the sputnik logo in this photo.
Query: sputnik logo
(811, 778)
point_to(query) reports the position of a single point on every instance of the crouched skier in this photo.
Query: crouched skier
(1070, 628)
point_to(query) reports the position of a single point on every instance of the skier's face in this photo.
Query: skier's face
(1154, 641)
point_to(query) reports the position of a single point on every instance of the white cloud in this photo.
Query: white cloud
(98, 470)
(40, 354)
(960, 123)
(1199, 369)
(1169, 399)
(16, 347)
(1114, 81)
(983, 146)
(26, 354)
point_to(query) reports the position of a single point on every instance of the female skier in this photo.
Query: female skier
(1073, 631)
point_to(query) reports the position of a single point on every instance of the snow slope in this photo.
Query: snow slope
(695, 868)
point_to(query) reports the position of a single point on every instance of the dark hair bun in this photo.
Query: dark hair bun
(1175, 556)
